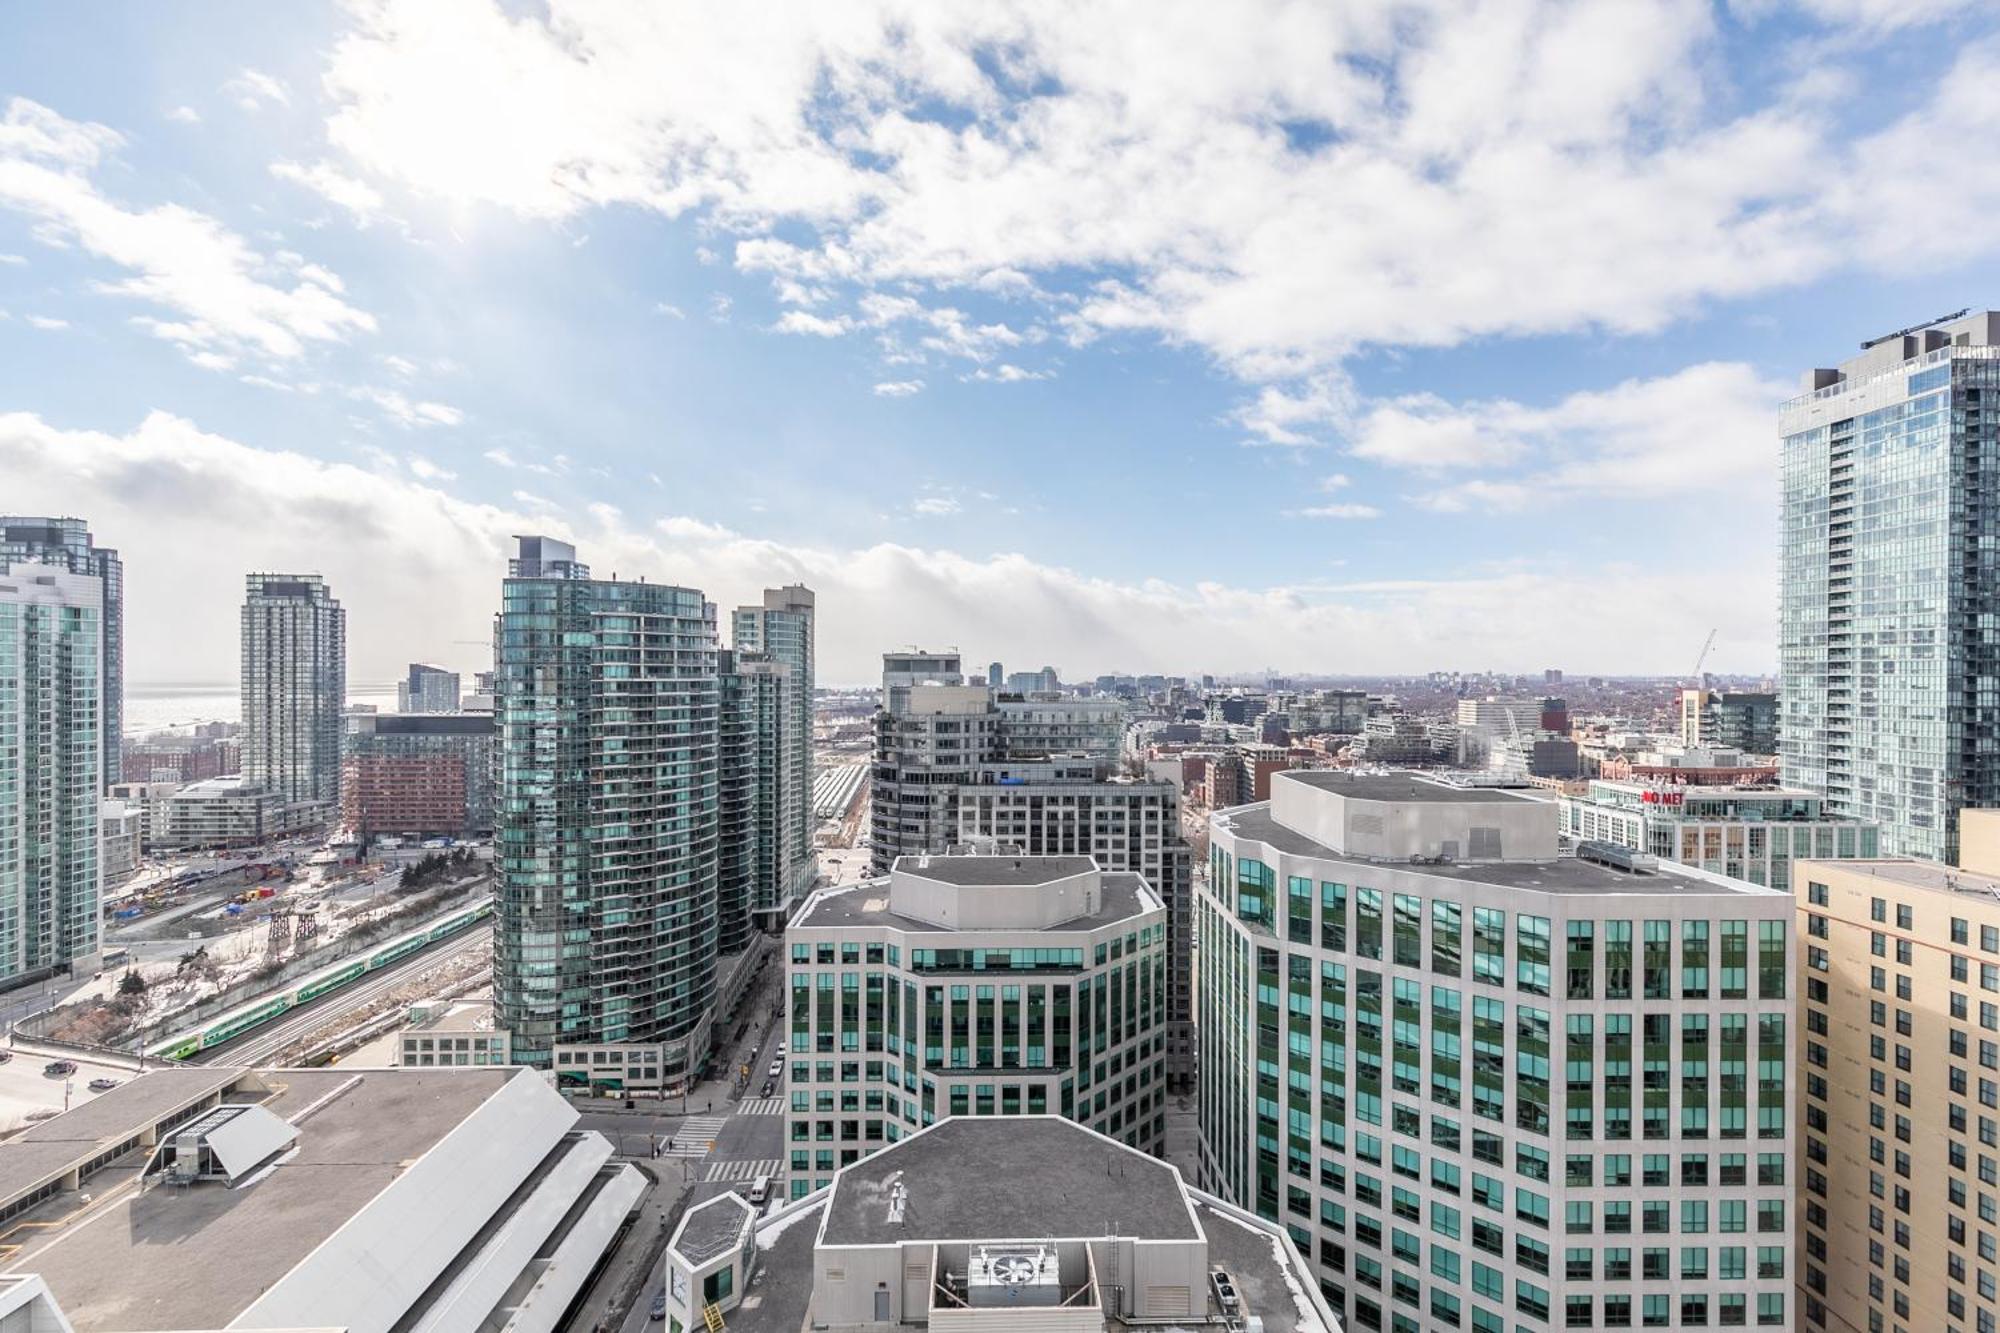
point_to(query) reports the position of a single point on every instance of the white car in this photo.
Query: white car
(778, 1067)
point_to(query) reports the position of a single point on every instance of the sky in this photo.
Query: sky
(1346, 339)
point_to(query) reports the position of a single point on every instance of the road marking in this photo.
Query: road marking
(745, 1168)
(762, 1106)
(695, 1136)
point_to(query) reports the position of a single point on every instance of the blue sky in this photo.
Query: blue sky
(1419, 335)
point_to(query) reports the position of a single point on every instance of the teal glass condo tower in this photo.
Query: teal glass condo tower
(1890, 570)
(606, 700)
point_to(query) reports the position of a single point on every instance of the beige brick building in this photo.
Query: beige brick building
(1899, 1192)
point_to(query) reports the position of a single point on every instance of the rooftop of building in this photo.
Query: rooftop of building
(713, 1227)
(196, 1258)
(1040, 1176)
(467, 1016)
(994, 871)
(235, 784)
(971, 1179)
(1404, 787)
(1123, 895)
(1561, 875)
(421, 724)
(1930, 876)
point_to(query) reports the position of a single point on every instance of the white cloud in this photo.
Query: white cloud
(1706, 428)
(405, 411)
(224, 295)
(359, 198)
(1495, 496)
(670, 309)
(12, 259)
(253, 89)
(801, 321)
(420, 567)
(1336, 511)
(1338, 481)
(556, 466)
(185, 115)
(400, 366)
(1280, 188)
(425, 470)
(47, 323)
(898, 388)
(1005, 373)
(936, 505)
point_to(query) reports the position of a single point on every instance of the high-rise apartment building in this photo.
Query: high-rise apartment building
(1899, 1189)
(427, 689)
(51, 694)
(606, 704)
(996, 675)
(754, 696)
(1890, 569)
(65, 543)
(1485, 1085)
(974, 985)
(782, 630)
(294, 686)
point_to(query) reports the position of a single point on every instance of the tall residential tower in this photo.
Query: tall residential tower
(65, 543)
(1890, 574)
(606, 703)
(294, 686)
(51, 687)
(782, 630)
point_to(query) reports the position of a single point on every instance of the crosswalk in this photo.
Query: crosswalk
(694, 1136)
(762, 1106)
(745, 1168)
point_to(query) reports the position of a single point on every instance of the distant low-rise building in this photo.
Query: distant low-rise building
(124, 825)
(455, 1033)
(1752, 833)
(423, 775)
(232, 812)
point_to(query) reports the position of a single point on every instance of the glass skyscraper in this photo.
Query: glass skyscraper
(65, 543)
(51, 690)
(1889, 642)
(606, 699)
(782, 630)
(294, 686)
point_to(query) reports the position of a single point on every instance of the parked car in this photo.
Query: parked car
(659, 1311)
(59, 1069)
(5, 1055)
(770, 1086)
(103, 1084)
(777, 1069)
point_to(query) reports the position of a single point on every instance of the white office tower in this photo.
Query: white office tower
(1486, 1085)
(782, 630)
(51, 746)
(294, 686)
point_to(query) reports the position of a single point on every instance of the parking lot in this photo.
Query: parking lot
(26, 1090)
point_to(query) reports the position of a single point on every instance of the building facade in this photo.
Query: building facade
(782, 630)
(427, 689)
(1753, 833)
(1745, 720)
(294, 686)
(1393, 974)
(1900, 992)
(606, 705)
(51, 753)
(229, 812)
(753, 871)
(1890, 564)
(422, 775)
(973, 985)
(66, 543)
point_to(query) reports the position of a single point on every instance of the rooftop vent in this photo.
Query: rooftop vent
(1013, 1275)
(1618, 858)
(229, 1144)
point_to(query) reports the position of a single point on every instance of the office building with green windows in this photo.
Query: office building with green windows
(66, 543)
(1488, 1085)
(973, 984)
(51, 749)
(1890, 578)
(607, 811)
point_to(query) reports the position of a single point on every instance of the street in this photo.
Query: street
(722, 1140)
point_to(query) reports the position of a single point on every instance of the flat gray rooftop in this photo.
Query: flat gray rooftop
(1567, 874)
(1123, 894)
(1397, 787)
(1931, 875)
(1007, 1178)
(712, 1228)
(781, 1283)
(1265, 1281)
(55, 1145)
(1000, 871)
(196, 1258)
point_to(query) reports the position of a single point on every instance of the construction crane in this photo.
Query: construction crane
(1703, 658)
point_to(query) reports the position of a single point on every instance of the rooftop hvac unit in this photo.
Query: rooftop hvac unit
(1002, 1275)
(1620, 858)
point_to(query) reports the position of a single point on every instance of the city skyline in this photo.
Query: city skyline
(1362, 286)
